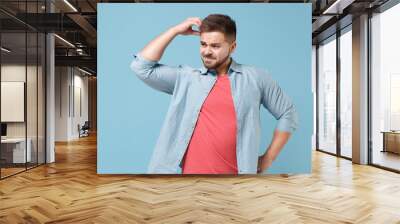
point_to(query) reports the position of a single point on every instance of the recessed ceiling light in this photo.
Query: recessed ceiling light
(5, 49)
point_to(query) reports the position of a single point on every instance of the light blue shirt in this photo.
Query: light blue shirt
(251, 87)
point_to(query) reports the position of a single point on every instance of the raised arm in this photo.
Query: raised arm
(154, 50)
(145, 63)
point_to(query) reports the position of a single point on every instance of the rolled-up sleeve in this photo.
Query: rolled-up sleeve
(279, 105)
(158, 76)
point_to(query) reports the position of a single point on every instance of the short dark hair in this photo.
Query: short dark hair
(221, 23)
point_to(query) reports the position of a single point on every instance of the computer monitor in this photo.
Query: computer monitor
(3, 129)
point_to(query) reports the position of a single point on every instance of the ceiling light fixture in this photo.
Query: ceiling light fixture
(70, 5)
(65, 41)
(331, 7)
(84, 71)
(338, 6)
(5, 49)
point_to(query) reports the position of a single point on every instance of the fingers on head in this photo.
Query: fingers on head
(194, 32)
(195, 21)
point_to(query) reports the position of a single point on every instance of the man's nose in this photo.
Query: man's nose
(207, 51)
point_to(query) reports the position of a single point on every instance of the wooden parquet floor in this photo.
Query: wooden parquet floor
(70, 191)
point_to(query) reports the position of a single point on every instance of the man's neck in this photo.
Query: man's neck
(223, 69)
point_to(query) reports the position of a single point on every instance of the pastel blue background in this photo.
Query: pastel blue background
(276, 37)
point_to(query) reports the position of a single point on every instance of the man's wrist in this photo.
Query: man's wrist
(173, 31)
(267, 157)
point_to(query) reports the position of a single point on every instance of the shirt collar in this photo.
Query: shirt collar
(233, 67)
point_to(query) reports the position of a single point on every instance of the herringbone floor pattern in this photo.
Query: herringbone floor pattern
(70, 191)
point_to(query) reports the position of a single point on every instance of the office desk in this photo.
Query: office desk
(15, 148)
(391, 141)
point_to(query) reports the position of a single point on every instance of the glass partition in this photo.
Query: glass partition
(13, 105)
(22, 77)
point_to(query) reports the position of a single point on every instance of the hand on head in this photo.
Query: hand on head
(185, 27)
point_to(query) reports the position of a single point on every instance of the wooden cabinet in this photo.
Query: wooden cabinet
(391, 141)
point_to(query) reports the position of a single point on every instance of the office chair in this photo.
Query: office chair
(84, 130)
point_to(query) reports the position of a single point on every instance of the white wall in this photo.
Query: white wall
(79, 117)
(62, 81)
(70, 83)
(16, 72)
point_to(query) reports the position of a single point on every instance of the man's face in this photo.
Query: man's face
(215, 49)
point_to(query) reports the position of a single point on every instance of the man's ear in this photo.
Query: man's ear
(233, 46)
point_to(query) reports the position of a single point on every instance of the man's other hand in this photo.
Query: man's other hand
(263, 163)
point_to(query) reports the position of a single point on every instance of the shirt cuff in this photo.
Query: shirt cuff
(288, 124)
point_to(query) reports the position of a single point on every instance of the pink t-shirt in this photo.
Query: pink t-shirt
(212, 148)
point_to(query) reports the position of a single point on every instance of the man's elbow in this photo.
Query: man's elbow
(142, 67)
(141, 71)
(289, 122)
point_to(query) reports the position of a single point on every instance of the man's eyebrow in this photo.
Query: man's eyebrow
(213, 44)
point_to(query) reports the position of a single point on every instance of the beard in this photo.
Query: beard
(217, 64)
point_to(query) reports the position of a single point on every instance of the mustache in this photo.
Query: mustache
(208, 57)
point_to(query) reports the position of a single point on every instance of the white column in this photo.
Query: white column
(50, 91)
(360, 90)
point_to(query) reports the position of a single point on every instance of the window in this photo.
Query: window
(346, 92)
(327, 95)
(385, 89)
